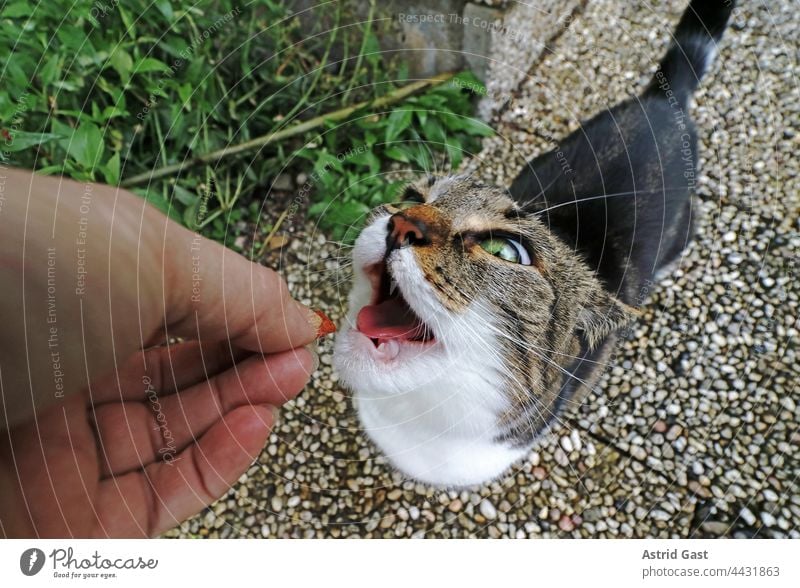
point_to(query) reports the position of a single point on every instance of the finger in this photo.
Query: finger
(214, 293)
(165, 369)
(146, 503)
(53, 465)
(134, 434)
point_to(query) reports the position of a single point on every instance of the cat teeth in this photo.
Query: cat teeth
(392, 286)
(388, 349)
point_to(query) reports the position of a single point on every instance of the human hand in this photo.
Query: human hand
(109, 434)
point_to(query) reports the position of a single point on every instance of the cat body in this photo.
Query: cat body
(478, 314)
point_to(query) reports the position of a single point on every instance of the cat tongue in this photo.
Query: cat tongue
(390, 319)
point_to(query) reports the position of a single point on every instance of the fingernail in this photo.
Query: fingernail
(322, 324)
(312, 349)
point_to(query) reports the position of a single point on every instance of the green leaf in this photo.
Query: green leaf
(343, 213)
(422, 158)
(81, 116)
(397, 122)
(50, 169)
(383, 192)
(452, 121)
(368, 160)
(111, 170)
(23, 140)
(112, 111)
(372, 50)
(122, 63)
(50, 69)
(184, 196)
(18, 69)
(432, 101)
(325, 162)
(149, 64)
(475, 127)
(468, 80)
(68, 86)
(393, 189)
(165, 8)
(454, 152)
(402, 72)
(304, 152)
(130, 29)
(64, 130)
(318, 208)
(398, 153)
(185, 94)
(17, 10)
(189, 216)
(434, 131)
(86, 145)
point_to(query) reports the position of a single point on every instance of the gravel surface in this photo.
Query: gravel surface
(693, 431)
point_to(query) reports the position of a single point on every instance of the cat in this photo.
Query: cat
(478, 314)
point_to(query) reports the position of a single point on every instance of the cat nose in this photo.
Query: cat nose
(405, 231)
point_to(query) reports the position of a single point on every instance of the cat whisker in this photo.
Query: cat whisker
(541, 193)
(520, 342)
(524, 344)
(542, 356)
(601, 196)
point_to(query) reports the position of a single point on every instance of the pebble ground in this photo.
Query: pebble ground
(693, 430)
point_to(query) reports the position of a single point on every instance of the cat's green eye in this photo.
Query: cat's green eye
(507, 249)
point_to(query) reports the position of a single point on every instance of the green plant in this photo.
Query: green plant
(104, 90)
(350, 159)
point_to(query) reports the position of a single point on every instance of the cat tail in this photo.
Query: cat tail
(693, 48)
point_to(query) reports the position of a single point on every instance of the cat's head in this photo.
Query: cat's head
(464, 309)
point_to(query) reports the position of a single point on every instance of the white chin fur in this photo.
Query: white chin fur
(431, 408)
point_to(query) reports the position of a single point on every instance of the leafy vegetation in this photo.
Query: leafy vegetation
(106, 90)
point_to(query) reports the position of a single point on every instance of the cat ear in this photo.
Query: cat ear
(603, 314)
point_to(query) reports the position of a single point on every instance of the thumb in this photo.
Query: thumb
(213, 293)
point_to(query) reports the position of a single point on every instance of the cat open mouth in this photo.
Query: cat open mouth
(388, 320)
